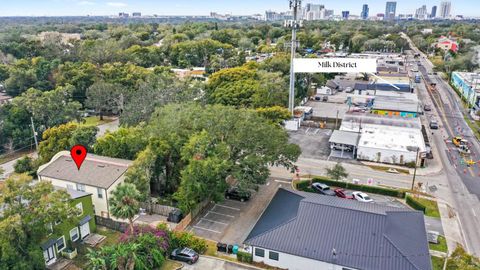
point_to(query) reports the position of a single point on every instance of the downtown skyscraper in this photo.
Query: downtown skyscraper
(364, 14)
(445, 9)
(390, 11)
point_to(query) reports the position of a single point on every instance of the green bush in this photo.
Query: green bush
(415, 204)
(244, 257)
(304, 186)
(410, 164)
(186, 239)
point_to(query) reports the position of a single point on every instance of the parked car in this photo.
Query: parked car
(361, 197)
(340, 147)
(237, 194)
(184, 255)
(427, 108)
(433, 124)
(340, 192)
(323, 189)
(349, 90)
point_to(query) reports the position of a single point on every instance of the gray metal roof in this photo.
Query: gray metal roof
(344, 137)
(97, 171)
(395, 104)
(364, 235)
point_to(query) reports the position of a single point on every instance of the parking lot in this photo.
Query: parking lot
(313, 142)
(230, 221)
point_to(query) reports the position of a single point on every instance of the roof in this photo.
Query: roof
(400, 139)
(382, 87)
(97, 171)
(398, 104)
(363, 235)
(345, 137)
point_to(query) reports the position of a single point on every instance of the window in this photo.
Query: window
(81, 187)
(74, 234)
(61, 243)
(100, 193)
(273, 255)
(259, 252)
(80, 207)
(69, 186)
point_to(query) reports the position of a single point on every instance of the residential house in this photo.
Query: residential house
(98, 175)
(307, 231)
(447, 44)
(63, 233)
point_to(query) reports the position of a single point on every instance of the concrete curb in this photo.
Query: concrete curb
(420, 171)
(238, 263)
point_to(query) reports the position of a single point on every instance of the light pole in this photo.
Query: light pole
(415, 168)
(294, 5)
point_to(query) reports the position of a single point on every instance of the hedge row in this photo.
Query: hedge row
(416, 204)
(244, 257)
(304, 186)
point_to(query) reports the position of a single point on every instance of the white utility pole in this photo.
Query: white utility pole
(294, 5)
(34, 134)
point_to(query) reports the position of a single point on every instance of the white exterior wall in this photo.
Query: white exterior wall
(100, 204)
(370, 154)
(292, 262)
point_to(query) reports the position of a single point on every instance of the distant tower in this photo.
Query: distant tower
(445, 8)
(390, 11)
(345, 14)
(434, 12)
(364, 14)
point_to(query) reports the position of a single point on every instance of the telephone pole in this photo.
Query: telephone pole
(294, 5)
(34, 134)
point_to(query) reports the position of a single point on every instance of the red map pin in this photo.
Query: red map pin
(78, 153)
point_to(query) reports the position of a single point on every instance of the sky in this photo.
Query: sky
(199, 7)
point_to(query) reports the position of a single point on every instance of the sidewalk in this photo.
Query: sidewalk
(451, 227)
(434, 168)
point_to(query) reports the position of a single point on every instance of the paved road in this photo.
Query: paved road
(464, 182)
(110, 126)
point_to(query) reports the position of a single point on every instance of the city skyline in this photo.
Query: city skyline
(190, 7)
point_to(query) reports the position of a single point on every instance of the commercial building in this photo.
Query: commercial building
(467, 84)
(390, 11)
(364, 14)
(396, 106)
(98, 175)
(345, 14)
(433, 14)
(305, 231)
(136, 14)
(447, 44)
(445, 9)
(421, 13)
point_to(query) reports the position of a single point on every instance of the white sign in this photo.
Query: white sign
(334, 65)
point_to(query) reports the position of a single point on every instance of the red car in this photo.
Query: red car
(340, 192)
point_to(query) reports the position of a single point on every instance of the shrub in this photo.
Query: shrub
(415, 204)
(302, 185)
(186, 239)
(410, 164)
(244, 257)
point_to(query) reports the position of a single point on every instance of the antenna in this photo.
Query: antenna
(294, 5)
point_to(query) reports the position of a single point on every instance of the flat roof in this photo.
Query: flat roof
(391, 103)
(392, 138)
(344, 137)
(97, 171)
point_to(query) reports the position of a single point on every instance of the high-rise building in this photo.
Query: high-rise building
(136, 14)
(313, 12)
(421, 13)
(364, 14)
(445, 8)
(433, 14)
(390, 10)
(345, 14)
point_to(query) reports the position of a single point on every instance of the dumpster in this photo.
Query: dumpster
(235, 249)
(175, 216)
(229, 249)
(221, 247)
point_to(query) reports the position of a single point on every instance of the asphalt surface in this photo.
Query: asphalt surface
(463, 181)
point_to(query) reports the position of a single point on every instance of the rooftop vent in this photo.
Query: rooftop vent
(101, 165)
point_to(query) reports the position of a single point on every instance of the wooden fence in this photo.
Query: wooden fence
(111, 224)
(190, 217)
(158, 209)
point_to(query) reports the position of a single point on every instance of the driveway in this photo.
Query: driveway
(110, 126)
(215, 264)
(231, 221)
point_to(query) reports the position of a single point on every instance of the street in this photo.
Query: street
(463, 190)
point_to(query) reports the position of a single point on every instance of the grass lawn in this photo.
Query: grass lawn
(211, 248)
(170, 265)
(112, 238)
(432, 207)
(437, 262)
(95, 121)
(384, 169)
(441, 246)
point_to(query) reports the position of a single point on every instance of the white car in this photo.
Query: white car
(361, 197)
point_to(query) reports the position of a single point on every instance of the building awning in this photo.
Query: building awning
(345, 137)
(84, 220)
(48, 243)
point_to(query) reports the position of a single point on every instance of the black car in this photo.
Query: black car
(323, 189)
(427, 108)
(237, 194)
(184, 255)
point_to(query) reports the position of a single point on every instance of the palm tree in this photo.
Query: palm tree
(124, 202)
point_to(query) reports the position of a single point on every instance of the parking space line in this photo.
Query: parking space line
(233, 208)
(281, 181)
(205, 229)
(206, 219)
(221, 214)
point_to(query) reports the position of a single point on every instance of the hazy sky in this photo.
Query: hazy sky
(196, 7)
